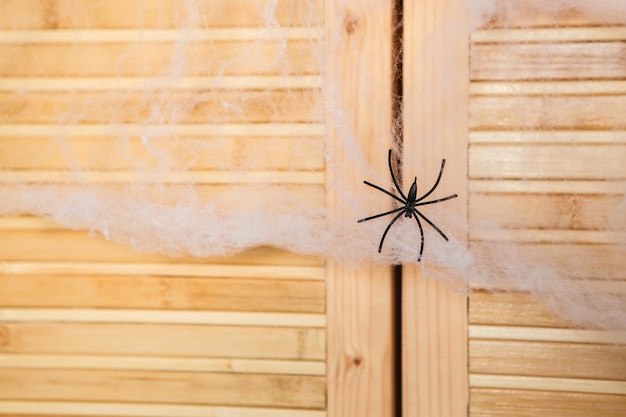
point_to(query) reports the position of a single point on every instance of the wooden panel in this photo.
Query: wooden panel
(564, 360)
(361, 350)
(547, 162)
(187, 154)
(33, 14)
(184, 293)
(519, 403)
(88, 327)
(548, 112)
(254, 106)
(163, 340)
(148, 59)
(502, 61)
(514, 309)
(166, 387)
(434, 317)
(546, 167)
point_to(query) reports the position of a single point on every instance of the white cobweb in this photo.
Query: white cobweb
(178, 155)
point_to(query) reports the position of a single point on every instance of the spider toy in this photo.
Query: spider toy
(409, 204)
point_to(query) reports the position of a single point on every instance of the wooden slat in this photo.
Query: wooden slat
(153, 84)
(548, 384)
(71, 246)
(32, 14)
(511, 309)
(228, 318)
(153, 59)
(167, 177)
(574, 260)
(361, 350)
(565, 34)
(552, 61)
(254, 106)
(520, 403)
(203, 130)
(163, 387)
(186, 293)
(207, 270)
(544, 359)
(533, 137)
(547, 162)
(74, 36)
(580, 87)
(156, 363)
(548, 187)
(543, 334)
(163, 340)
(194, 154)
(549, 112)
(110, 409)
(540, 236)
(563, 211)
(434, 317)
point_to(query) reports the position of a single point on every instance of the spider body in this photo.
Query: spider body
(409, 202)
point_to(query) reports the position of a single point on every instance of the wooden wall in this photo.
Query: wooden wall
(88, 327)
(91, 328)
(546, 163)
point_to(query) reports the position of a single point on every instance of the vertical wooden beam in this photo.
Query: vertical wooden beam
(435, 90)
(360, 301)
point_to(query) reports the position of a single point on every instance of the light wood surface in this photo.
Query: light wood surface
(360, 299)
(541, 97)
(434, 316)
(89, 327)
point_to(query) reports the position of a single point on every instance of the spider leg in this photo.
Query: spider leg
(419, 224)
(430, 223)
(450, 197)
(443, 163)
(382, 239)
(380, 215)
(393, 177)
(386, 192)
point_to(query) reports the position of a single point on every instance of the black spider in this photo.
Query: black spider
(410, 202)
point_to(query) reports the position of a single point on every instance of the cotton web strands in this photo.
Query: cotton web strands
(200, 128)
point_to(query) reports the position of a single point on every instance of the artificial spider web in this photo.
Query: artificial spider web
(410, 202)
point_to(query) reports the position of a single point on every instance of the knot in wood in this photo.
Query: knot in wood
(357, 360)
(350, 23)
(5, 341)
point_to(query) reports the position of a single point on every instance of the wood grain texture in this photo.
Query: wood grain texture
(434, 317)
(557, 61)
(163, 363)
(360, 329)
(184, 293)
(67, 14)
(89, 327)
(111, 409)
(520, 403)
(163, 387)
(163, 340)
(560, 360)
(154, 59)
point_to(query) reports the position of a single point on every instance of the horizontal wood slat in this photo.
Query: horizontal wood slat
(552, 61)
(184, 293)
(253, 106)
(522, 403)
(548, 359)
(75, 36)
(89, 14)
(111, 409)
(190, 340)
(558, 162)
(156, 363)
(548, 384)
(150, 59)
(163, 387)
